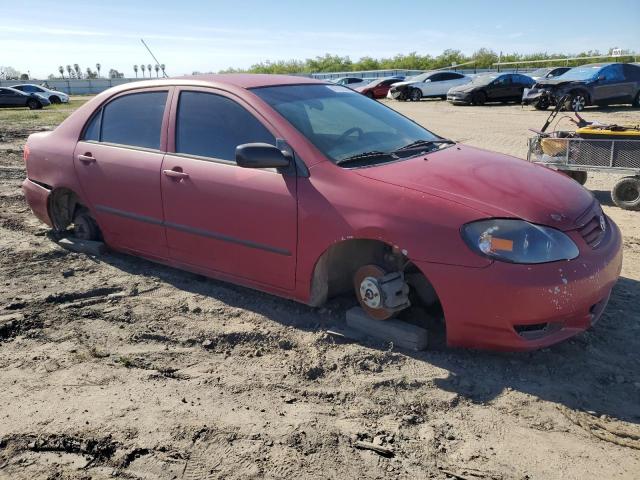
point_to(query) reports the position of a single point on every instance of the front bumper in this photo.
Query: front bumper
(396, 93)
(533, 96)
(37, 197)
(459, 97)
(525, 307)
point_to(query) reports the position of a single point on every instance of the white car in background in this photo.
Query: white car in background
(52, 95)
(427, 85)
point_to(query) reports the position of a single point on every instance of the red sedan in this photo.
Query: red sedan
(308, 190)
(378, 88)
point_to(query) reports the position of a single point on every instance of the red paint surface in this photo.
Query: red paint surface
(418, 204)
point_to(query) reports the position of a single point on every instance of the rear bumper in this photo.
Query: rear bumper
(37, 197)
(525, 307)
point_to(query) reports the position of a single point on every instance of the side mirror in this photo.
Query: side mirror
(600, 78)
(260, 155)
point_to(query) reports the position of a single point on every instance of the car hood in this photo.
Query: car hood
(494, 184)
(467, 87)
(403, 84)
(557, 83)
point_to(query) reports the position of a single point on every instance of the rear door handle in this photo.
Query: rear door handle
(175, 174)
(86, 158)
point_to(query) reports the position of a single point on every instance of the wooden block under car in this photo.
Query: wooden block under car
(89, 247)
(401, 334)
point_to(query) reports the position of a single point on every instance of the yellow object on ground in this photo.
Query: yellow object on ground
(610, 132)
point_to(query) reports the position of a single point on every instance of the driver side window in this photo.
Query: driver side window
(212, 126)
(612, 74)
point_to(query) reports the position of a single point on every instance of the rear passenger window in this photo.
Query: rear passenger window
(134, 120)
(210, 125)
(92, 132)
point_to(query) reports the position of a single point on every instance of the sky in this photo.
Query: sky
(197, 35)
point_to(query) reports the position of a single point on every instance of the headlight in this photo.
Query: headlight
(517, 241)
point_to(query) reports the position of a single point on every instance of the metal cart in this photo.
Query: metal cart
(576, 156)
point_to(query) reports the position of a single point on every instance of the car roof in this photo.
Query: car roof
(14, 90)
(596, 65)
(224, 81)
(249, 80)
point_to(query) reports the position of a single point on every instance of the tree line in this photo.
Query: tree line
(482, 58)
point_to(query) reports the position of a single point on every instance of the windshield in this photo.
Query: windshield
(580, 73)
(343, 124)
(375, 82)
(419, 78)
(541, 72)
(484, 79)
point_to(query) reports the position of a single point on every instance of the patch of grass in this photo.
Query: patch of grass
(50, 116)
(127, 362)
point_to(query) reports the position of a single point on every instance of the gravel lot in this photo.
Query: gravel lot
(118, 367)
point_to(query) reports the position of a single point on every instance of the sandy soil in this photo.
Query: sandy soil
(118, 367)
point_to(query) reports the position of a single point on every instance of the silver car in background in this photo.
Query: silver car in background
(52, 95)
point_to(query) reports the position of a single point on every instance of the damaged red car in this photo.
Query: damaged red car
(309, 190)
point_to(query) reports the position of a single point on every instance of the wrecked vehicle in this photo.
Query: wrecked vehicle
(592, 84)
(308, 190)
(427, 85)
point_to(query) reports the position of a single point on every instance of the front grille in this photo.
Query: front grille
(592, 231)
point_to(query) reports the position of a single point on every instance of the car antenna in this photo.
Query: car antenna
(154, 57)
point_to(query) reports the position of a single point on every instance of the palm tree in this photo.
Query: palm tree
(157, 69)
(142, 67)
(149, 68)
(61, 70)
(69, 70)
(135, 69)
(162, 68)
(98, 68)
(76, 67)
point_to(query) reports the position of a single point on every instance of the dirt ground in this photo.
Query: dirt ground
(118, 367)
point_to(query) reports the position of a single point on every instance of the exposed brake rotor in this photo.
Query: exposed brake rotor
(380, 294)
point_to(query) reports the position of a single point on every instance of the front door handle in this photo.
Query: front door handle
(175, 174)
(86, 158)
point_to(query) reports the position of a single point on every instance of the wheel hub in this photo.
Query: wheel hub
(370, 293)
(381, 295)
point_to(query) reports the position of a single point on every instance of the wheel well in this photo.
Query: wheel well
(335, 269)
(63, 204)
(52, 97)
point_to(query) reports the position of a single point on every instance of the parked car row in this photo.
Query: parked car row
(578, 87)
(32, 96)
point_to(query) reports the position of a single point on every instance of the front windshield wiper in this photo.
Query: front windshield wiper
(423, 143)
(364, 156)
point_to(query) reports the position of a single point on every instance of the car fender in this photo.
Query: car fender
(337, 204)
